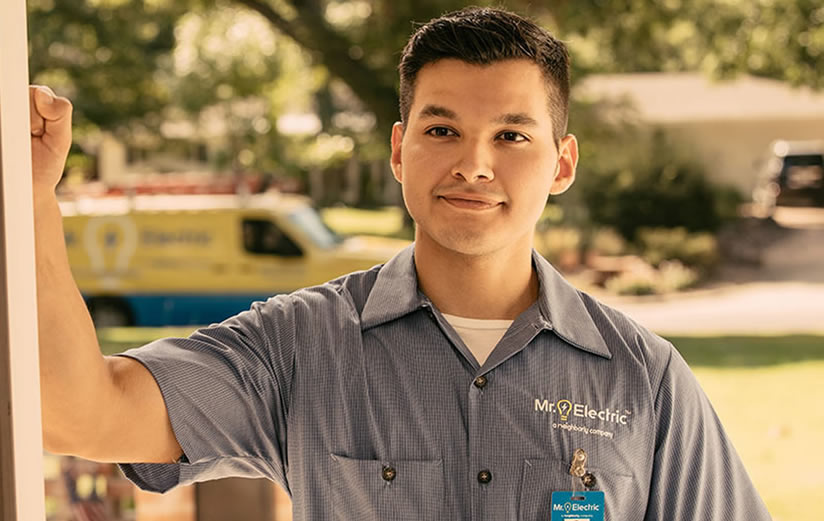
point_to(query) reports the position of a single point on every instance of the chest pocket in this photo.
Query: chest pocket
(369, 490)
(541, 477)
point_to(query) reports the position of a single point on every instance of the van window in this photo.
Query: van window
(308, 220)
(263, 237)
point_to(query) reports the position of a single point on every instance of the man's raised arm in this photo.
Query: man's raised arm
(100, 408)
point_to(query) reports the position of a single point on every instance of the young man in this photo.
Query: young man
(455, 382)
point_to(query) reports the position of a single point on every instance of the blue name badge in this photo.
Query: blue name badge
(578, 506)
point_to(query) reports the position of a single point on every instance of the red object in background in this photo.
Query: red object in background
(173, 184)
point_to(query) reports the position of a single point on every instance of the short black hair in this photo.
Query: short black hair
(481, 36)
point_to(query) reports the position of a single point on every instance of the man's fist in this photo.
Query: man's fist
(51, 136)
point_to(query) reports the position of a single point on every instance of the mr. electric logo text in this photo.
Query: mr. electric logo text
(566, 408)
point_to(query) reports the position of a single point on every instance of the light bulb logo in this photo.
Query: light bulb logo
(564, 406)
(110, 242)
(567, 507)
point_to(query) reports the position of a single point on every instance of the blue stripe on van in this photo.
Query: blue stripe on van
(185, 310)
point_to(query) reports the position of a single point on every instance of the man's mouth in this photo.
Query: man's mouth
(469, 201)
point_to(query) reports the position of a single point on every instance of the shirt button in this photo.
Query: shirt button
(589, 480)
(388, 473)
(480, 382)
(484, 477)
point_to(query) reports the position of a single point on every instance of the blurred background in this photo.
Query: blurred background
(229, 150)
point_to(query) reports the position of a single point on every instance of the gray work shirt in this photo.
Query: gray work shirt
(364, 404)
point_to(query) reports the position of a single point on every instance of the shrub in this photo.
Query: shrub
(670, 276)
(630, 176)
(606, 241)
(560, 245)
(658, 190)
(629, 283)
(658, 245)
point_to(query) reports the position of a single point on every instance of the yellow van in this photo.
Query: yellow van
(197, 259)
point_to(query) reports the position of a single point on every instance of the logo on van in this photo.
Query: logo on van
(111, 253)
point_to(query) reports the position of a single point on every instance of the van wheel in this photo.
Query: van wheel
(110, 312)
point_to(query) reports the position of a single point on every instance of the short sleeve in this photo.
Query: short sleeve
(697, 474)
(226, 390)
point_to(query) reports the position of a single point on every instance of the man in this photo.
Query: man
(455, 382)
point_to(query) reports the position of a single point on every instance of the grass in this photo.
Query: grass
(774, 418)
(767, 390)
(768, 393)
(387, 221)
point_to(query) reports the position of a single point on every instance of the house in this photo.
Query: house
(729, 125)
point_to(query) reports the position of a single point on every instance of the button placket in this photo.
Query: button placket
(477, 458)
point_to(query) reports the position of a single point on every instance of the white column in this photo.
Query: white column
(21, 446)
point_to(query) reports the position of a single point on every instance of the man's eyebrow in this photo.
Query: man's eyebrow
(519, 118)
(434, 111)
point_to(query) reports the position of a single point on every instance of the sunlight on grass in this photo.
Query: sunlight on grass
(767, 392)
(386, 221)
(774, 418)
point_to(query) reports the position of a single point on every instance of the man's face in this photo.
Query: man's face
(478, 160)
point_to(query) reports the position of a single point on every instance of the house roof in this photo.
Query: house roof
(685, 97)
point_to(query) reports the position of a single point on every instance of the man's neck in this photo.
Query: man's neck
(498, 285)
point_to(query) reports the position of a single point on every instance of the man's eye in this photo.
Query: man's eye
(440, 132)
(515, 137)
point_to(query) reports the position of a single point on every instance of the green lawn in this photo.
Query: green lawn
(386, 221)
(767, 391)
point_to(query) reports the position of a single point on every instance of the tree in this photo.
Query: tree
(105, 55)
(115, 57)
(722, 38)
(782, 40)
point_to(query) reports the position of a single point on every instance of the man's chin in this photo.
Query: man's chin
(465, 244)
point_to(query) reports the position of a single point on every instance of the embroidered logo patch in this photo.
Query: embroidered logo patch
(572, 416)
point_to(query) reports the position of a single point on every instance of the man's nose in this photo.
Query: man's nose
(475, 163)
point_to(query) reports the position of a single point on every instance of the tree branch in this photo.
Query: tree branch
(310, 31)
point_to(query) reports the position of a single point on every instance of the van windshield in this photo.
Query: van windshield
(308, 220)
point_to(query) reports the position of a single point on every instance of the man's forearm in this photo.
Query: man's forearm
(73, 373)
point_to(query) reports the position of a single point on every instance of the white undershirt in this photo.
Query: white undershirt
(480, 336)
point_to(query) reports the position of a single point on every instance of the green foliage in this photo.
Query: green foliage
(560, 245)
(658, 245)
(630, 178)
(606, 241)
(133, 65)
(103, 55)
(782, 40)
(387, 221)
(665, 195)
(636, 284)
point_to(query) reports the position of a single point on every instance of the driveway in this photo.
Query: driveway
(784, 294)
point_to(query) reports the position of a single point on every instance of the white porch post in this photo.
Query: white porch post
(21, 448)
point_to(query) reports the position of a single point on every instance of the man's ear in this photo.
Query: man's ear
(395, 160)
(567, 163)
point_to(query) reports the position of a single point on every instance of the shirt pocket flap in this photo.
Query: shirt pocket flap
(376, 489)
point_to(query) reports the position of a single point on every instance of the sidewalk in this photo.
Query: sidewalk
(785, 295)
(742, 309)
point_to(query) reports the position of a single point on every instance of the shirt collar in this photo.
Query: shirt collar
(395, 292)
(562, 307)
(567, 311)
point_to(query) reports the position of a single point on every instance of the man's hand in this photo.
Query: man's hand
(51, 136)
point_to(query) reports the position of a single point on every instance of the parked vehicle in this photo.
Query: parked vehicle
(197, 259)
(793, 175)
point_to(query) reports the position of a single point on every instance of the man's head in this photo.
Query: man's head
(482, 36)
(482, 144)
